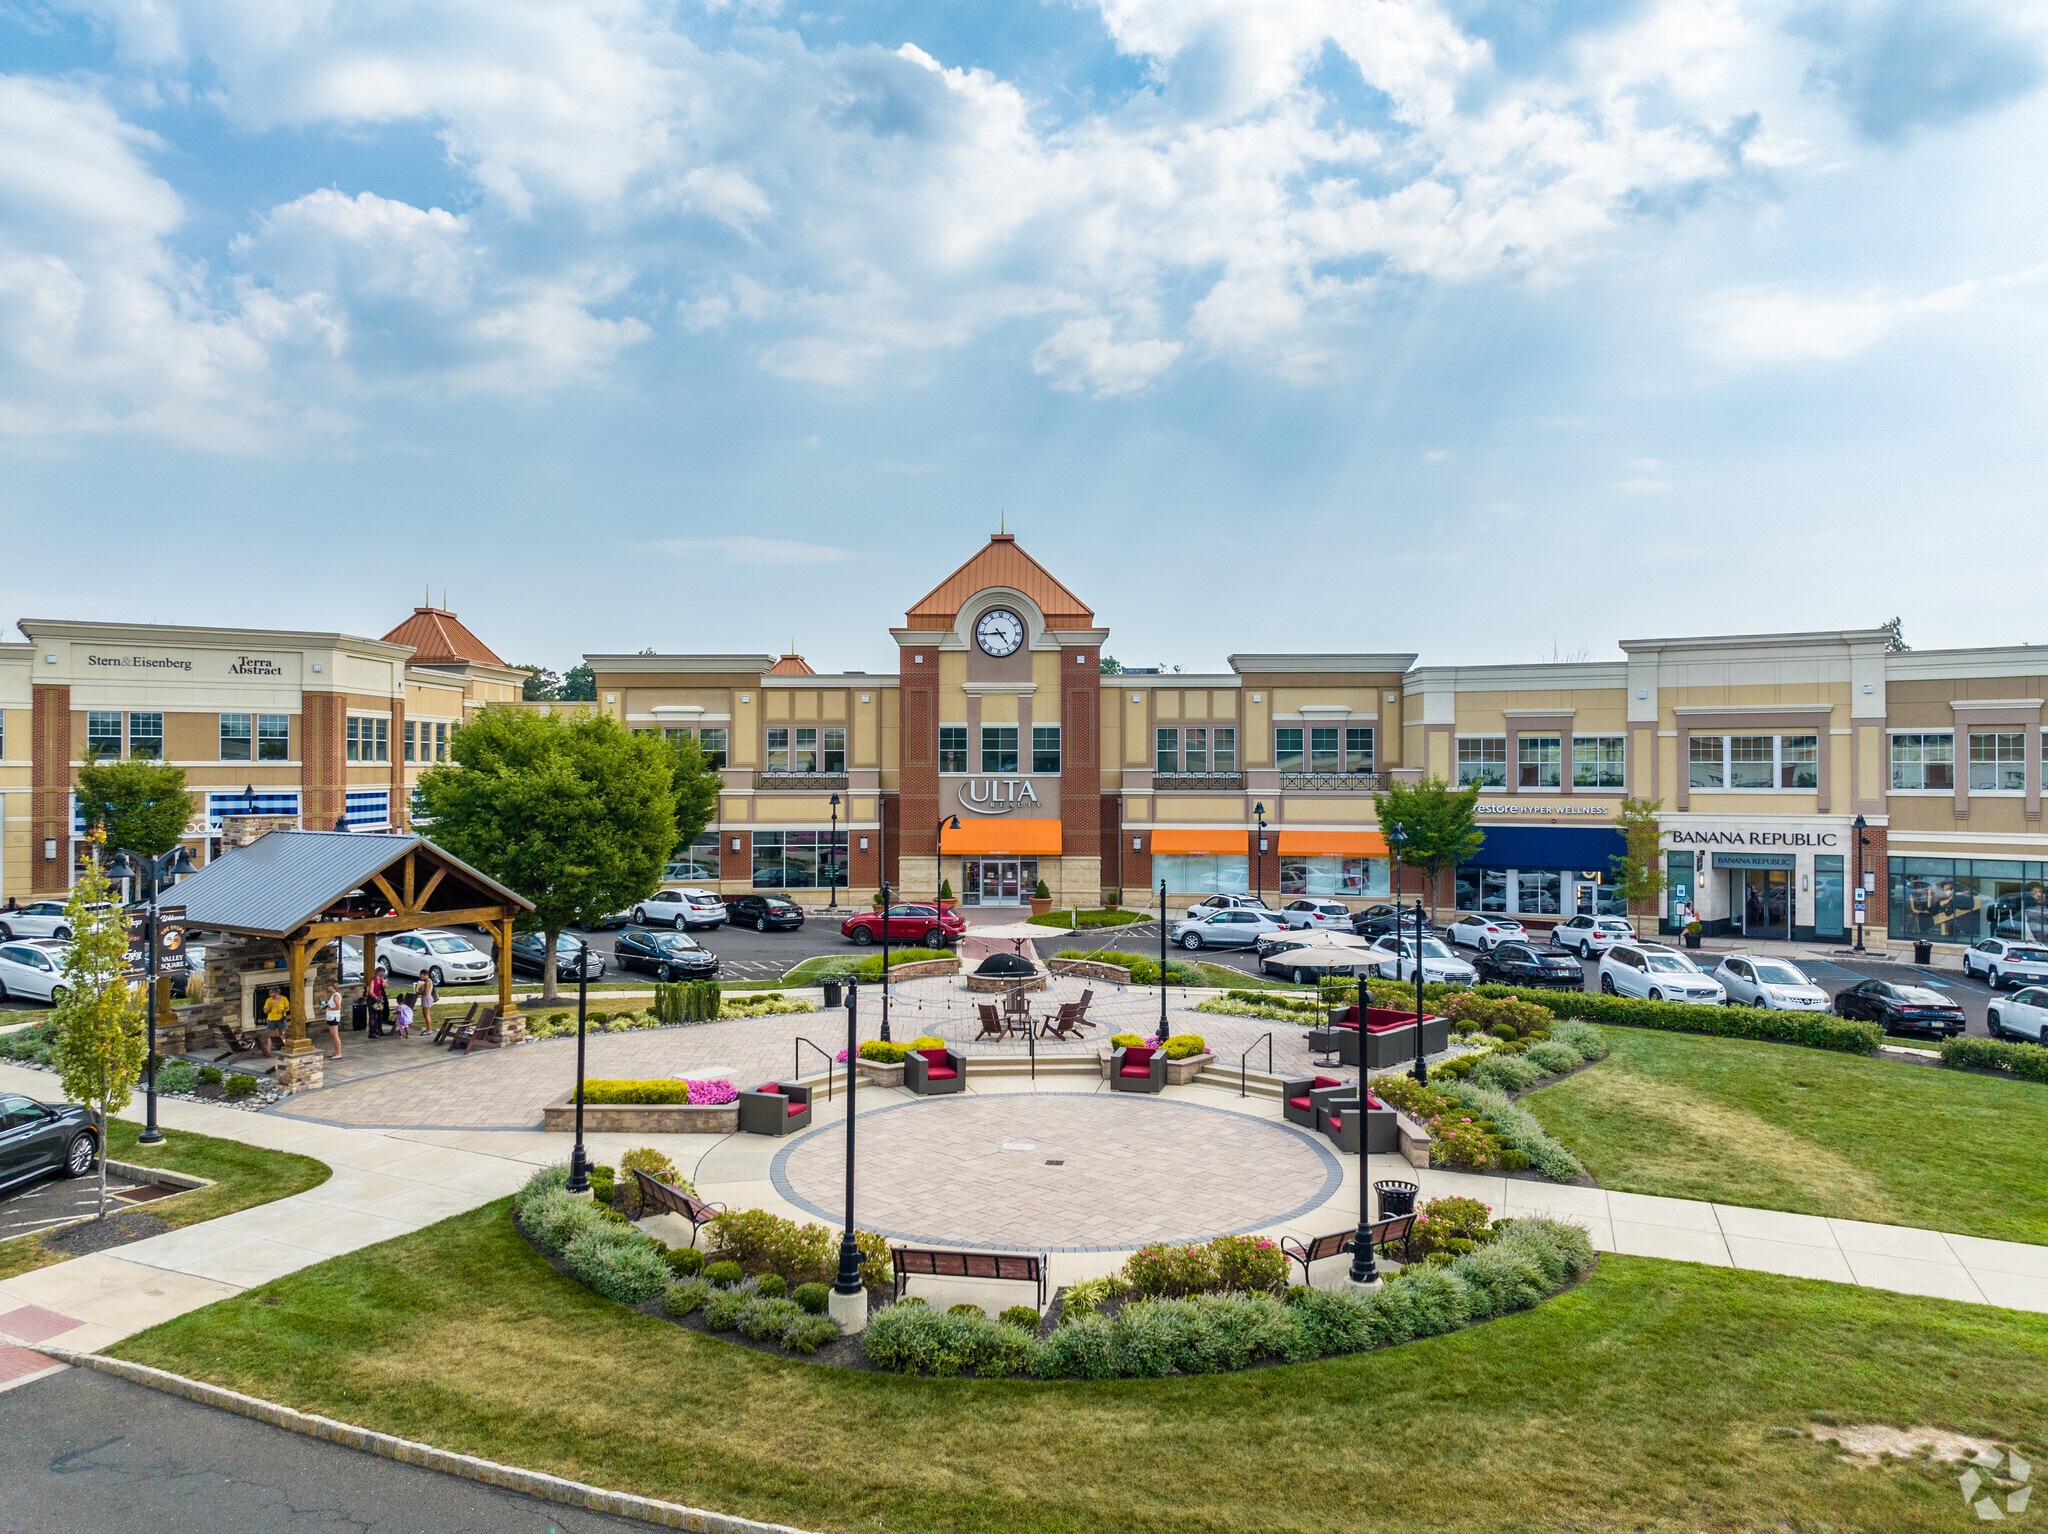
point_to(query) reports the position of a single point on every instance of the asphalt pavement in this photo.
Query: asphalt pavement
(85, 1451)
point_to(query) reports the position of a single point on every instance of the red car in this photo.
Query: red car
(925, 925)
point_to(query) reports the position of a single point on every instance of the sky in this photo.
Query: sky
(1493, 330)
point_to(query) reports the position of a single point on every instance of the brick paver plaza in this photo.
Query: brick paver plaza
(1061, 1172)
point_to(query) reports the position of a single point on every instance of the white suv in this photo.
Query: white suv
(1206, 908)
(42, 918)
(1328, 915)
(2002, 962)
(683, 909)
(1483, 932)
(35, 968)
(1587, 936)
(447, 958)
(1657, 973)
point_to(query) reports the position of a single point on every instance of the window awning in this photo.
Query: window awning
(1002, 835)
(1229, 839)
(1346, 844)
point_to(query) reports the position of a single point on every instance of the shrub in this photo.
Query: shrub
(1510, 1073)
(765, 1319)
(239, 1085)
(554, 1218)
(915, 1339)
(927, 1041)
(1456, 1070)
(1249, 1264)
(685, 1297)
(1070, 918)
(1817, 1030)
(964, 1309)
(1444, 1220)
(1553, 1057)
(210, 1074)
(1077, 1350)
(176, 1076)
(1086, 1297)
(883, 1053)
(1462, 1142)
(1157, 1271)
(807, 1333)
(549, 1179)
(1493, 1014)
(603, 1184)
(619, 1263)
(1185, 1046)
(1020, 1315)
(773, 1286)
(1514, 1161)
(1126, 1040)
(685, 1261)
(761, 1242)
(724, 1275)
(722, 1310)
(687, 1001)
(1144, 971)
(2029, 1062)
(1583, 1039)
(815, 1299)
(626, 1191)
(870, 969)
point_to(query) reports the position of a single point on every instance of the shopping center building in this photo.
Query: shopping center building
(312, 730)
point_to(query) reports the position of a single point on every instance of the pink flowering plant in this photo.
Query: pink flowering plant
(1452, 1226)
(1228, 1264)
(709, 1094)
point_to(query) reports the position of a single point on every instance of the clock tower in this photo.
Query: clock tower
(1000, 725)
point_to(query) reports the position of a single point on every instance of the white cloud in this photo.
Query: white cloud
(1084, 354)
(1760, 326)
(756, 551)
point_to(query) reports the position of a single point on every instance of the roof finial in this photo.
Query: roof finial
(1002, 521)
(427, 597)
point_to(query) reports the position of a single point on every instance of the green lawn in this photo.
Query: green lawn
(1781, 1127)
(243, 1176)
(1655, 1396)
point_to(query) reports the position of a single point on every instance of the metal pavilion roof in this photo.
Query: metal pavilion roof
(281, 881)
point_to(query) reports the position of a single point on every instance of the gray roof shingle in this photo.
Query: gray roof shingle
(281, 881)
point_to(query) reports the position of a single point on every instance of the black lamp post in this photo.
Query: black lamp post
(169, 865)
(1162, 963)
(1421, 1068)
(341, 821)
(1259, 854)
(947, 823)
(1856, 895)
(249, 799)
(579, 1164)
(848, 1285)
(835, 855)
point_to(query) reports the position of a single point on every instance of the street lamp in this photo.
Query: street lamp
(1259, 853)
(1162, 964)
(1421, 1069)
(579, 1164)
(848, 1303)
(1363, 1269)
(1856, 896)
(945, 822)
(835, 855)
(169, 865)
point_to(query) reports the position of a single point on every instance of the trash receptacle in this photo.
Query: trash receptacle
(832, 996)
(359, 1015)
(1395, 1198)
(1923, 953)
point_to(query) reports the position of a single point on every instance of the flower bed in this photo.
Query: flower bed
(732, 1004)
(1471, 1122)
(650, 1107)
(1143, 971)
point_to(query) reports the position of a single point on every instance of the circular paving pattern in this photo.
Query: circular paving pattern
(1060, 1172)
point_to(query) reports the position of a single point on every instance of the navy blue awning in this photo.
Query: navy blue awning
(1579, 847)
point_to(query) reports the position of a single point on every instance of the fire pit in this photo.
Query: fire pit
(1006, 972)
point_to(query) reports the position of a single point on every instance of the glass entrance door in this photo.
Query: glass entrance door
(993, 881)
(1767, 902)
(1584, 894)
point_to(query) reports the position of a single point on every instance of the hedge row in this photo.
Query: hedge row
(2029, 1062)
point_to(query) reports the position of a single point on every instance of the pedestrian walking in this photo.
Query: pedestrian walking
(330, 1013)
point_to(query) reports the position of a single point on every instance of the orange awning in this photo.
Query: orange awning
(1002, 835)
(1211, 839)
(1344, 844)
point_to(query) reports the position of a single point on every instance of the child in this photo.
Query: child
(404, 1016)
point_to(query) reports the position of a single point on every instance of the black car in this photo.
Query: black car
(530, 954)
(1379, 920)
(764, 913)
(1519, 964)
(665, 955)
(41, 1137)
(1901, 1008)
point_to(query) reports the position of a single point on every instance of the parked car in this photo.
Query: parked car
(665, 955)
(40, 918)
(1394, 958)
(1524, 964)
(444, 957)
(1379, 920)
(2025, 1016)
(764, 913)
(1657, 973)
(1758, 980)
(614, 921)
(1329, 915)
(530, 956)
(35, 969)
(1236, 927)
(925, 925)
(36, 1138)
(1217, 903)
(2003, 962)
(687, 910)
(1590, 936)
(1901, 1008)
(1484, 932)
(1273, 954)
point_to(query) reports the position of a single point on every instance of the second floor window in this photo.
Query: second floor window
(1358, 748)
(999, 748)
(411, 730)
(1322, 750)
(1998, 762)
(440, 742)
(1045, 748)
(833, 753)
(1195, 745)
(1924, 761)
(1597, 761)
(102, 735)
(1166, 751)
(952, 748)
(1483, 759)
(1223, 749)
(1539, 761)
(711, 741)
(803, 756)
(268, 737)
(146, 736)
(238, 738)
(369, 740)
(778, 749)
(1753, 761)
(1287, 749)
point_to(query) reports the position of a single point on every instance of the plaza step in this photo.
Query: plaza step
(1229, 1079)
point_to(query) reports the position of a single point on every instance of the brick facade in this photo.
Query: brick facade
(915, 805)
(323, 719)
(50, 789)
(1081, 759)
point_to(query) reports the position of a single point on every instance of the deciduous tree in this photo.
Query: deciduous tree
(1639, 871)
(100, 1036)
(697, 787)
(141, 806)
(1438, 825)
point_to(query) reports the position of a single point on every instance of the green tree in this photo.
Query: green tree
(579, 685)
(697, 788)
(140, 806)
(1639, 871)
(541, 685)
(100, 1037)
(1111, 666)
(1438, 825)
(575, 814)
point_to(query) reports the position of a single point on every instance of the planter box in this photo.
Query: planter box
(1415, 1142)
(924, 969)
(1180, 1072)
(643, 1118)
(873, 1073)
(1089, 969)
(993, 984)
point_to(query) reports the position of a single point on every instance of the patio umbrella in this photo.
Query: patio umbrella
(1326, 951)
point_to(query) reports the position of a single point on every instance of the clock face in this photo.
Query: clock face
(999, 632)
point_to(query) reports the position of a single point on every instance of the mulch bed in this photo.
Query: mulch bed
(103, 1235)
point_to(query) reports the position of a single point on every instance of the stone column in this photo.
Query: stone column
(298, 1068)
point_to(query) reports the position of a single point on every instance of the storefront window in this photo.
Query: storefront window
(834, 758)
(1597, 761)
(1483, 760)
(1223, 750)
(1998, 762)
(1540, 759)
(1358, 748)
(1799, 761)
(798, 860)
(1339, 876)
(999, 748)
(952, 748)
(1924, 761)
(1045, 748)
(1538, 891)
(238, 738)
(102, 735)
(1959, 900)
(1609, 901)
(1203, 873)
(1166, 751)
(696, 863)
(1708, 754)
(778, 749)
(1287, 749)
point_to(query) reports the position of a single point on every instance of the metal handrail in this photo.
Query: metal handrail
(1354, 782)
(1168, 782)
(798, 1066)
(1244, 1070)
(811, 780)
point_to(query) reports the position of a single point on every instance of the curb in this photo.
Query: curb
(548, 1488)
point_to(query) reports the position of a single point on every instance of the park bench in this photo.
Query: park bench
(934, 1262)
(1384, 1234)
(655, 1192)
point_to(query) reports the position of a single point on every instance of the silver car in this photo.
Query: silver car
(1239, 928)
(1758, 980)
(35, 969)
(1328, 915)
(1394, 958)
(447, 958)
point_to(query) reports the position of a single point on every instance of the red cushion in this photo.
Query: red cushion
(1373, 1102)
(1299, 1102)
(1336, 1122)
(940, 1072)
(1138, 1056)
(936, 1056)
(1389, 1027)
(796, 1108)
(1141, 1071)
(1324, 1081)
(773, 1086)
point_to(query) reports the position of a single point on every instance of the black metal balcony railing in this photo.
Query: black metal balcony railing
(800, 780)
(1340, 782)
(1167, 782)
